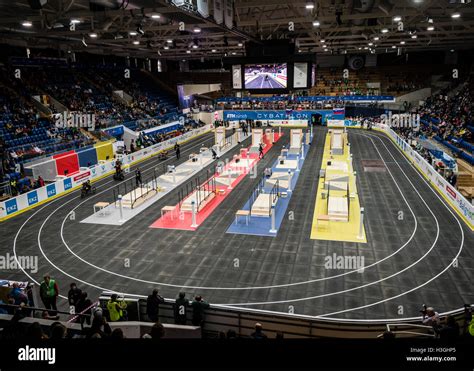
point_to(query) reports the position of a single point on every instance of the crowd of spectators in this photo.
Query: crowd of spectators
(95, 318)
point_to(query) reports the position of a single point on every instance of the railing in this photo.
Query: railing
(137, 192)
(274, 195)
(221, 318)
(208, 187)
(256, 192)
(348, 195)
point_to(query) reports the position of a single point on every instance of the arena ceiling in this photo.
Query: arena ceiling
(148, 28)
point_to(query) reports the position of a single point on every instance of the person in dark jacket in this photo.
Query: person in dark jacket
(198, 306)
(180, 309)
(177, 150)
(83, 305)
(258, 333)
(138, 177)
(73, 296)
(153, 305)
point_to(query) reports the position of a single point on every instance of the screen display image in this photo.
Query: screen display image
(265, 76)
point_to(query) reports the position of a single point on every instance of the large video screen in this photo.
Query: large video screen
(265, 76)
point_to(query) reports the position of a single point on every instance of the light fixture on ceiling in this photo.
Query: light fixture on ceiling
(196, 30)
(169, 41)
(132, 33)
(414, 36)
(93, 35)
(456, 15)
(213, 50)
(309, 5)
(188, 51)
(397, 18)
(27, 24)
(136, 42)
(430, 28)
(195, 46)
(402, 42)
(156, 16)
(316, 23)
(75, 21)
(384, 30)
(394, 47)
(370, 44)
(234, 53)
(323, 41)
(376, 38)
(166, 47)
(240, 44)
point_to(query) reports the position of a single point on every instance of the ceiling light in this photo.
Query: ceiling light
(430, 28)
(195, 46)
(234, 53)
(366, 47)
(414, 36)
(397, 18)
(136, 42)
(455, 15)
(402, 42)
(196, 29)
(75, 21)
(360, 48)
(132, 33)
(93, 35)
(393, 46)
(213, 50)
(452, 50)
(316, 23)
(188, 51)
(240, 44)
(376, 38)
(155, 16)
(384, 30)
(27, 24)
(309, 5)
(166, 47)
(169, 41)
(370, 44)
(323, 41)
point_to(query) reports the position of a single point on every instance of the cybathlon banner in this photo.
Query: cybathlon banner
(218, 11)
(279, 115)
(229, 13)
(203, 7)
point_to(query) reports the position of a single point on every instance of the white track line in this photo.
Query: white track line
(72, 199)
(247, 287)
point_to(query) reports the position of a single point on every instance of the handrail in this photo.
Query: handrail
(274, 195)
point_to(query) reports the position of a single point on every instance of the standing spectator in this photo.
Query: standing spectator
(116, 309)
(258, 333)
(180, 309)
(199, 306)
(153, 306)
(73, 296)
(49, 292)
(177, 150)
(83, 306)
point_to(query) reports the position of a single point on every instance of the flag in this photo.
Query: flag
(338, 111)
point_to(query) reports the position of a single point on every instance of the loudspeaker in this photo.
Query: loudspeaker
(37, 4)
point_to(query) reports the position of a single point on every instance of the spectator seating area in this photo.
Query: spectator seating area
(27, 132)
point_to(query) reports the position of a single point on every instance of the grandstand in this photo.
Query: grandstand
(252, 169)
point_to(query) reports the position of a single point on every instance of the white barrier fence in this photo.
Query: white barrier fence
(457, 201)
(25, 201)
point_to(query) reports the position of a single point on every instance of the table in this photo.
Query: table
(245, 213)
(167, 209)
(99, 207)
